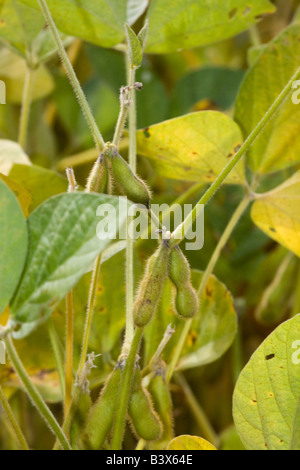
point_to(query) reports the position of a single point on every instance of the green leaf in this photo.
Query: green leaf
(100, 22)
(134, 47)
(39, 182)
(186, 442)
(184, 24)
(277, 213)
(212, 331)
(20, 24)
(195, 147)
(214, 328)
(63, 244)
(23, 196)
(219, 85)
(13, 244)
(10, 153)
(278, 146)
(266, 396)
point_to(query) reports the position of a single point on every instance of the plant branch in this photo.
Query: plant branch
(198, 413)
(125, 389)
(26, 104)
(209, 269)
(35, 396)
(179, 233)
(57, 354)
(15, 426)
(72, 77)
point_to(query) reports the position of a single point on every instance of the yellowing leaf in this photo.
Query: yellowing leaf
(277, 214)
(184, 24)
(194, 147)
(23, 196)
(266, 398)
(10, 153)
(186, 442)
(278, 146)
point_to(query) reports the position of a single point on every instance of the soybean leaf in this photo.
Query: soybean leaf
(186, 442)
(184, 24)
(277, 213)
(20, 24)
(98, 21)
(10, 153)
(218, 85)
(195, 147)
(63, 243)
(212, 331)
(134, 47)
(266, 396)
(13, 243)
(278, 146)
(39, 182)
(23, 196)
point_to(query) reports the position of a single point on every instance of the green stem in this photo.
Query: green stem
(25, 110)
(16, 428)
(198, 413)
(89, 314)
(182, 229)
(34, 395)
(72, 77)
(254, 36)
(125, 389)
(69, 351)
(296, 307)
(209, 269)
(129, 328)
(57, 354)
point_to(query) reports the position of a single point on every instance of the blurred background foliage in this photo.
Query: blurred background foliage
(206, 78)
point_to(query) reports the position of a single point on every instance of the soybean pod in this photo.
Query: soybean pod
(101, 416)
(143, 418)
(186, 299)
(150, 289)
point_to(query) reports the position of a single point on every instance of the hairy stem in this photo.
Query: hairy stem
(125, 389)
(25, 110)
(89, 314)
(16, 428)
(35, 396)
(179, 234)
(69, 351)
(57, 354)
(129, 328)
(209, 269)
(72, 77)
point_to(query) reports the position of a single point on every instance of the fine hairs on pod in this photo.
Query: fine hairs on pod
(144, 420)
(186, 299)
(151, 286)
(134, 187)
(101, 416)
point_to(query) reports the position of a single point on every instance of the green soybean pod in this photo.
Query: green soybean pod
(98, 178)
(186, 299)
(135, 188)
(164, 407)
(80, 417)
(101, 416)
(143, 418)
(150, 289)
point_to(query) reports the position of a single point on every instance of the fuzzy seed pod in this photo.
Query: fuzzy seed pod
(163, 406)
(135, 189)
(186, 299)
(150, 289)
(101, 416)
(145, 421)
(79, 419)
(98, 178)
